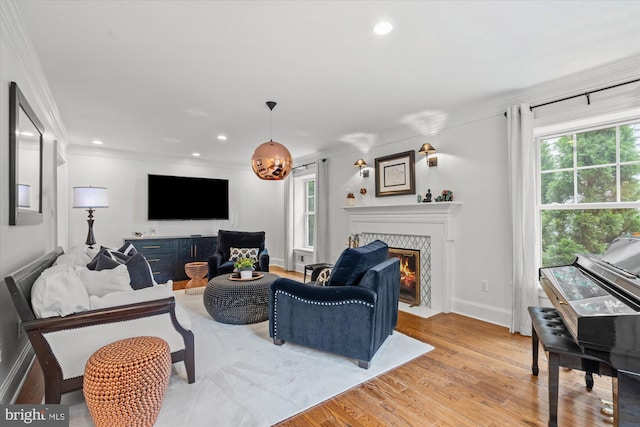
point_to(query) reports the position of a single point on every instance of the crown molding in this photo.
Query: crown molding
(31, 77)
(584, 81)
(84, 150)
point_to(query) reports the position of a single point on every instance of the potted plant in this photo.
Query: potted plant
(245, 267)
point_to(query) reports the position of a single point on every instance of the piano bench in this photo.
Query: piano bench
(550, 331)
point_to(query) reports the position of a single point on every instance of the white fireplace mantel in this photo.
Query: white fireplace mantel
(435, 219)
(429, 208)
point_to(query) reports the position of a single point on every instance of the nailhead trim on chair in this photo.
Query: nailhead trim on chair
(306, 301)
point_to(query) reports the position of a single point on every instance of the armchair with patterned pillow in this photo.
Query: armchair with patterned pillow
(352, 314)
(238, 244)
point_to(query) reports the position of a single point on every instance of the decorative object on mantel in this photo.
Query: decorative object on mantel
(351, 199)
(363, 191)
(91, 198)
(271, 160)
(138, 234)
(354, 240)
(419, 198)
(446, 196)
(395, 174)
(427, 197)
(427, 149)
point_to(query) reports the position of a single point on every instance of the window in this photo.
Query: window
(309, 212)
(589, 190)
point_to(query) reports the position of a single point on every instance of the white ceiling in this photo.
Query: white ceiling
(169, 76)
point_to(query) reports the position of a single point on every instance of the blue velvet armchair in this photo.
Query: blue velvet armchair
(353, 315)
(220, 262)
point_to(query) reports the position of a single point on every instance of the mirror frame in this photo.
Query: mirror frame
(17, 215)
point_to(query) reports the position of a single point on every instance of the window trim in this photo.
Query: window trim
(574, 128)
(307, 213)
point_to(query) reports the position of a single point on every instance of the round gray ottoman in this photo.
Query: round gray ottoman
(238, 302)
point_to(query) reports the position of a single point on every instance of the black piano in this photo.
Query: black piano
(598, 298)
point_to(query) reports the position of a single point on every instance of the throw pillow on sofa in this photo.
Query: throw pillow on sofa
(103, 282)
(76, 257)
(59, 292)
(137, 265)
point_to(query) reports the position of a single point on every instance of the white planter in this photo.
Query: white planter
(246, 274)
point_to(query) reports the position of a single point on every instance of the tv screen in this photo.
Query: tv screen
(177, 197)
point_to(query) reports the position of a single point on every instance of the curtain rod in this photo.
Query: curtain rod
(304, 166)
(587, 94)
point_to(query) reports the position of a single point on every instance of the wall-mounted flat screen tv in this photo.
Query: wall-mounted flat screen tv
(186, 198)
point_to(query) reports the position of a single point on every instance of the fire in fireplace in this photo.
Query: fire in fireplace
(409, 274)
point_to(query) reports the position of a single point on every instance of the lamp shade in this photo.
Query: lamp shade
(271, 161)
(24, 196)
(360, 163)
(90, 197)
(427, 149)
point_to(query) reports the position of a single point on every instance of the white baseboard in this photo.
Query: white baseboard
(486, 313)
(10, 387)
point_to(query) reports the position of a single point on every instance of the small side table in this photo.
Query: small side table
(196, 271)
(312, 267)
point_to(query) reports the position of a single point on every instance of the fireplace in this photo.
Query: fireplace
(409, 274)
(427, 227)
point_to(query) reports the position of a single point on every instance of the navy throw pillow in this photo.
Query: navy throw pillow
(103, 251)
(139, 272)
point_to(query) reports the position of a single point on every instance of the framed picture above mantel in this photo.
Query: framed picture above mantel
(396, 174)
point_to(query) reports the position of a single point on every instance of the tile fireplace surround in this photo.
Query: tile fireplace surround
(430, 227)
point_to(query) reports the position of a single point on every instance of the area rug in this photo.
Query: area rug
(243, 379)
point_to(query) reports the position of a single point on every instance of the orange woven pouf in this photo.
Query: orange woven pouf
(125, 381)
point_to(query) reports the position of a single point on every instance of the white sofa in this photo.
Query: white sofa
(65, 329)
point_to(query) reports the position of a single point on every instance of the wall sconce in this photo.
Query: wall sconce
(427, 149)
(360, 163)
(91, 198)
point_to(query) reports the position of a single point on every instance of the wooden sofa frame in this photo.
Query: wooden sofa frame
(20, 284)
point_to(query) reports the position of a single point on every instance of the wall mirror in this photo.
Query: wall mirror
(25, 161)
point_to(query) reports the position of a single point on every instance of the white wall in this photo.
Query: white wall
(471, 163)
(21, 244)
(254, 205)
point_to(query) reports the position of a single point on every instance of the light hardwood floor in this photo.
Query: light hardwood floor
(478, 375)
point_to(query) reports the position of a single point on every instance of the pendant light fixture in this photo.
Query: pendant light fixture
(271, 160)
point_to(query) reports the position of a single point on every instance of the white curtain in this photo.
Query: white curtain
(321, 229)
(288, 224)
(524, 226)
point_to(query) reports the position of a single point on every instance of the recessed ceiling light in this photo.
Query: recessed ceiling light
(97, 142)
(195, 154)
(222, 137)
(383, 28)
